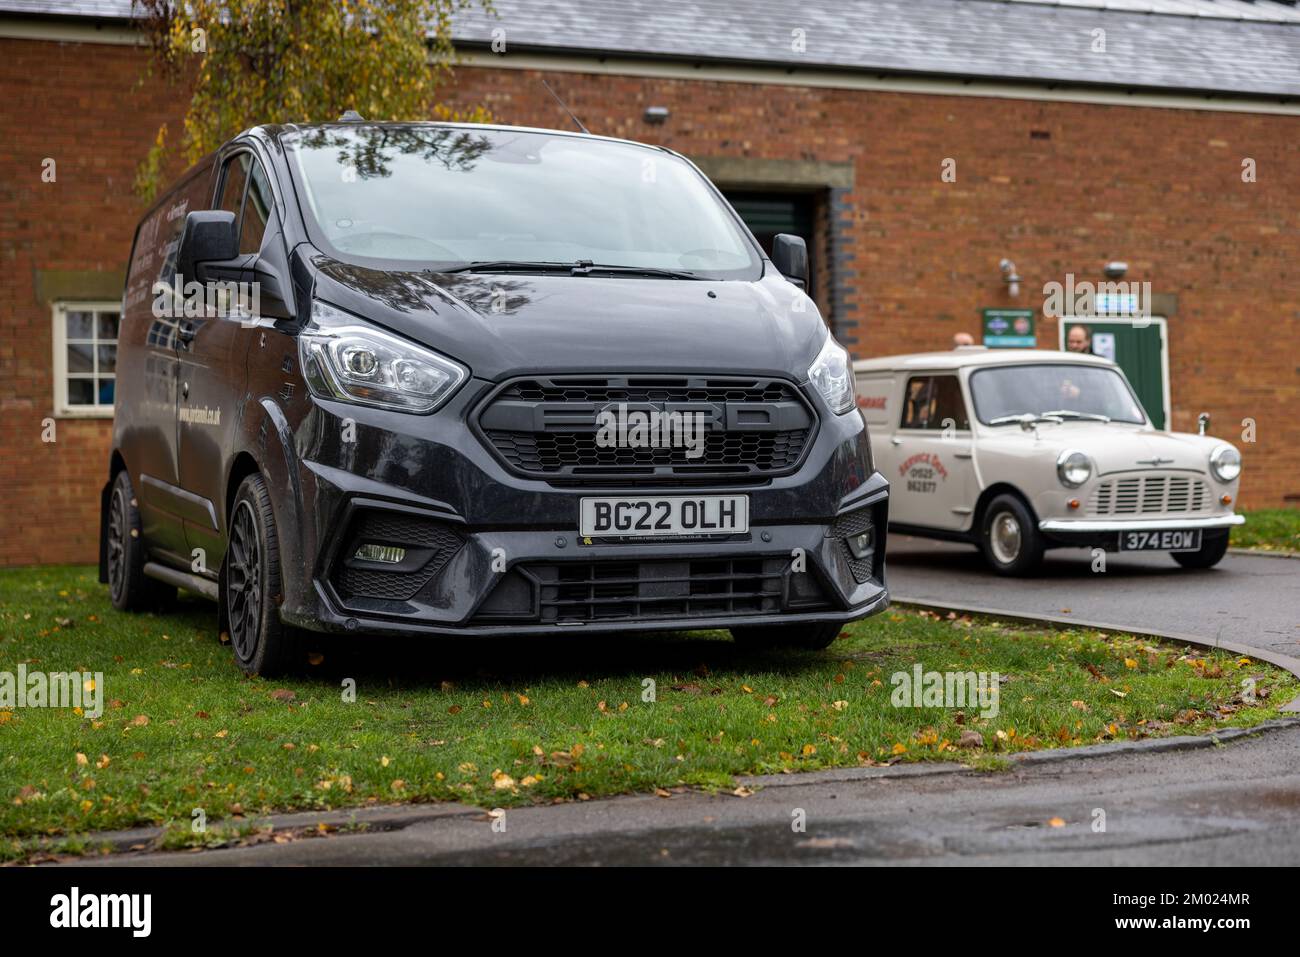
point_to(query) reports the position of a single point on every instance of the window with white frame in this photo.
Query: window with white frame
(85, 357)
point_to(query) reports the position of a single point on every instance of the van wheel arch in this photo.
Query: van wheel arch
(116, 464)
(243, 466)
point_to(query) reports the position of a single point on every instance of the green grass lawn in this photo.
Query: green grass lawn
(504, 722)
(1269, 529)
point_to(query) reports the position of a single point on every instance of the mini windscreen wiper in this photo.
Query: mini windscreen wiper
(1070, 413)
(1025, 419)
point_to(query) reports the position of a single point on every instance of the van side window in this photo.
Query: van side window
(159, 238)
(257, 210)
(234, 175)
(933, 400)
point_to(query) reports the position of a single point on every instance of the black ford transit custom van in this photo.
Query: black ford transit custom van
(445, 379)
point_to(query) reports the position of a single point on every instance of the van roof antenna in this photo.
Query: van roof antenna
(351, 116)
(565, 107)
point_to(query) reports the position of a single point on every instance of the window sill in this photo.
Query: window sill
(89, 412)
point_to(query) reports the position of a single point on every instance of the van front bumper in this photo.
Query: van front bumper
(477, 550)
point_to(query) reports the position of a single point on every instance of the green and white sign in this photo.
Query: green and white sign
(1009, 328)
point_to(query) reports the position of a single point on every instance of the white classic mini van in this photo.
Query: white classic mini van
(1017, 451)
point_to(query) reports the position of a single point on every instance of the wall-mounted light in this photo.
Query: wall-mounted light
(1116, 270)
(655, 114)
(1010, 277)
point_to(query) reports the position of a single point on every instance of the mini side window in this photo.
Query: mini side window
(933, 403)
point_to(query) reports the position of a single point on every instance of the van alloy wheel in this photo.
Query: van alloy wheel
(126, 553)
(244, 583)
(1005, 538)
(116, 544)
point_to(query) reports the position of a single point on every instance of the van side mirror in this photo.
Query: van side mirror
(790, 256)
(208, 236)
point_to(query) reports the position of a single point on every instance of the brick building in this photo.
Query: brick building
(1165, 135)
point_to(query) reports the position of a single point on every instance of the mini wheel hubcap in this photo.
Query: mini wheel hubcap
(1004, 537)
(244, 583)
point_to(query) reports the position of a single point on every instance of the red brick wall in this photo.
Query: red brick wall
(1160, 188)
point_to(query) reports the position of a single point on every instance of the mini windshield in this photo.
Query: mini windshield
(446, 197)
(1069, 391)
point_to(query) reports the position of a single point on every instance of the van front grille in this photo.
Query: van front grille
(550, 427)
(1153, 494)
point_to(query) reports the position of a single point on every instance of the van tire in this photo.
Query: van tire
(1211, 552)
(1009, 537)
(809, 637)
(129, 588)
(250, 585)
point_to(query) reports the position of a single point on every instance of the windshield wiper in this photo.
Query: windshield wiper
(581, 267)
(1070, 413)
(586, 269)
(509, 265)
(1026, 419)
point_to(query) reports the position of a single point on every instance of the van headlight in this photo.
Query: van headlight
(344, 359)
(1225, 463)
(1073, 468)
(830, 374)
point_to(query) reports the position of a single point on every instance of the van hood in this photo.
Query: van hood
(1116, 447)
(501, 325)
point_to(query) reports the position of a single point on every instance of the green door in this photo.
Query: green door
(1139, 351)
(767, 214)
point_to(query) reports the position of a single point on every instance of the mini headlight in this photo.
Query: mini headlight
(831, 376)
(1225, 463)
(345, 359)
(1073, 468)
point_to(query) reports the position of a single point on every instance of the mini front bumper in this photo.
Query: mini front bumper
(1106, 532)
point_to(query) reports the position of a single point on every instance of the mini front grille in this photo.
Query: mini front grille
(1149, 495)
(428, 546)
(550, 427)
(662, 589)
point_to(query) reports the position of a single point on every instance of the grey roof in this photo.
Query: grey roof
(1220, 46)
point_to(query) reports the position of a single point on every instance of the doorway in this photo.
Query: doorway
(1139, 346)
(769, 213)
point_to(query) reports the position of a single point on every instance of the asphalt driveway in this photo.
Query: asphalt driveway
(1249, 599)
(1236, 804)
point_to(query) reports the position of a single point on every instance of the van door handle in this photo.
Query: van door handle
(896, 441)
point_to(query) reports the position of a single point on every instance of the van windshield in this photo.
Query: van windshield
(1071, 391)
(446, 197)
